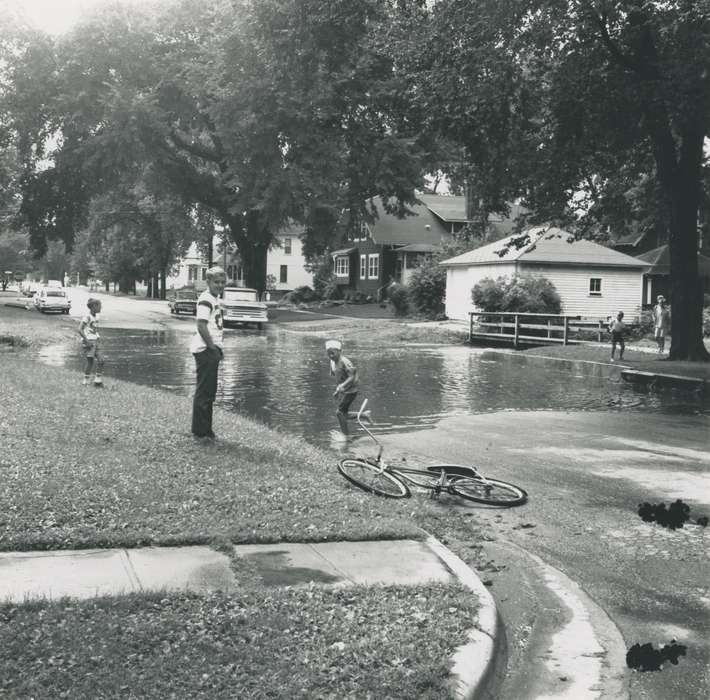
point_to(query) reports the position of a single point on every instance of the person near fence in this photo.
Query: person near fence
(661, 322)
(206, 348)
(617, 328)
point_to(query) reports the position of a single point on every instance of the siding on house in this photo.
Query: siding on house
(621, 290)
(461, 280)
(295, 271)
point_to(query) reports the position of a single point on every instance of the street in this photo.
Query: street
(586, 474)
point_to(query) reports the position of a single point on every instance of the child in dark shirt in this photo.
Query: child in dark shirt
(617, 328)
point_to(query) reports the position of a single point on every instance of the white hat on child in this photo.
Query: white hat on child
(333, 345)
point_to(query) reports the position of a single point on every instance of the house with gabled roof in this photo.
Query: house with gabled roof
(593, 281)
(391, 248)
(657, 277)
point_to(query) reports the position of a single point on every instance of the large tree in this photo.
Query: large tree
(551, 99)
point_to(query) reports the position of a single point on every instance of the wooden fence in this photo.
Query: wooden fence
(541, 329)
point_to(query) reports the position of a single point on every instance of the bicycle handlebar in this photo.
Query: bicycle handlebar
(362, 408)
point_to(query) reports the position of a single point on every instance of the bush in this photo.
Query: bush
(706, 301)
(331, 290)
(300, 295)
(323, 277)
(399, 298)
(427, 288)
(524, 293)
(355, 296)
(706, 323)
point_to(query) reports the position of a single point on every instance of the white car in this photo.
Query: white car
(242, 305)
(52, 299)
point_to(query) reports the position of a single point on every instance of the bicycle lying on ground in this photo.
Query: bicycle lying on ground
(383, 479)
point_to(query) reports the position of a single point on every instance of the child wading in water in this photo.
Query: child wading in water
(617, 328)
(90, 341)
(346, 375)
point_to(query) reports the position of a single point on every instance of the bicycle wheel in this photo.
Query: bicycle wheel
(372, 479)
(489, 491)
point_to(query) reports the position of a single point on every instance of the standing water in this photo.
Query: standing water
(283, 380)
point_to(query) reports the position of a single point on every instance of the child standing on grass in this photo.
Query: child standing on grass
(90, 341)
(346, 375)
(617, 328)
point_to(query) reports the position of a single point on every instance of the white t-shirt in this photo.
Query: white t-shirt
(208, 309)
(90, 324)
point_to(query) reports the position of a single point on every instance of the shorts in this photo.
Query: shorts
(345, 402)
(617, 337)
(660, 333)
(91, 348)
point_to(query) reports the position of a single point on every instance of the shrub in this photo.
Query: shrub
(331, 290)
(706, 322)
(523, 293)
(399, 298)
(706, 301)
(323, 277)
(300, 295)
(355, 297)
(427, 288)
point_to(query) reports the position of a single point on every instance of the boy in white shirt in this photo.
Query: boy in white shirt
(90, 341)
(617, 328)
(206, 347)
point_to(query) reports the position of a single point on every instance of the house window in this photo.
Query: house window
(204, 274)
(363, 267)
(595, 286)
(191, 273)
(342, 266)
(283, 274)
(363, 232)
(287, 246)
(240, 272)
(373, 266)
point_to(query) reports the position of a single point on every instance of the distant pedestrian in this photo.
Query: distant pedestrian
(346, 375)
(206, 347)
(617, 328)
(91, 343)
(661, 322)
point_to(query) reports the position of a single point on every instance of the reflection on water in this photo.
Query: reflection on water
(283, 380)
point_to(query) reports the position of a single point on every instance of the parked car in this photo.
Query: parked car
(29, 289)
(55, 283)
(52, 299)
(184, 302)
(242, 305)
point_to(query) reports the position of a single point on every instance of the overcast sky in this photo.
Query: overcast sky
(53, 16)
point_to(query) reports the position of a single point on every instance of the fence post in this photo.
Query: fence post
(599, 332)
(549, 328)
(470, 327)
(566, 331)
(515, 340)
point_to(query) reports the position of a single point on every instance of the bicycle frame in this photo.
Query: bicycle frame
(443, 480)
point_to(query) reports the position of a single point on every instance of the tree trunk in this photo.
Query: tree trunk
(683, 198)
(163, 283)
(254, 263)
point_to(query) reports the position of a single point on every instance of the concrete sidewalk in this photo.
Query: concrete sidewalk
(86, 573)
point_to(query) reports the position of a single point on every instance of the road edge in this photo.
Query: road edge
(477, 663)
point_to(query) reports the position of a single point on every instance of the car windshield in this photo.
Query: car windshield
(186, 296)
(55, 293)
(239, 295)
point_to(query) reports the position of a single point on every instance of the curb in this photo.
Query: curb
(475, 664)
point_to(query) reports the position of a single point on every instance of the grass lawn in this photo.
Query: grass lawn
(288, 643)
(83, 467)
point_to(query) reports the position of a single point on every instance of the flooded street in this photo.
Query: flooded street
(281, 378)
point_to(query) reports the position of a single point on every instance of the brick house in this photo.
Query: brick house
(390, 248)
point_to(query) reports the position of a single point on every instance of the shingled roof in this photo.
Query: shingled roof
(659, 260)
(545, 245)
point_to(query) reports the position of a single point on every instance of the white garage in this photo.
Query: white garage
(593, 281)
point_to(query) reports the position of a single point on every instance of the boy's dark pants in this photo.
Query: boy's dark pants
(207, 363)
